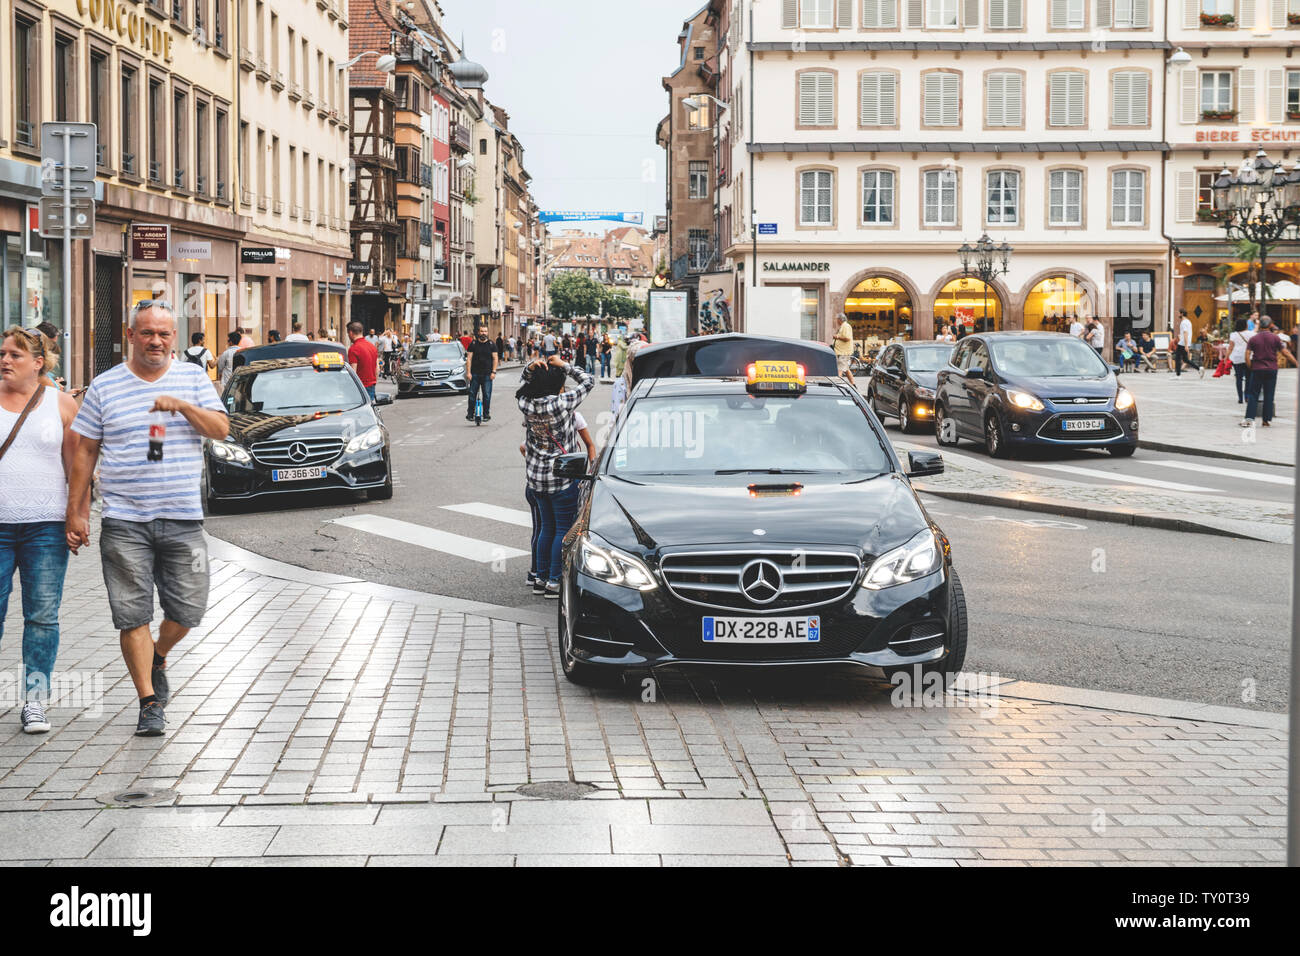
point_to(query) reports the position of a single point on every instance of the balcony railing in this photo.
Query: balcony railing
(128, 163)
(155, 172)
(25, 134)
(178, 11)
(221, 189)
(178, 180)
(101, 154)
(426, 234)
(460, 135)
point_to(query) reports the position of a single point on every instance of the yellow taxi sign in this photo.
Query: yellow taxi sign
(327, 361)
(776, 376)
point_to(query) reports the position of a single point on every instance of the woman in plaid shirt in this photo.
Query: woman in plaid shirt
(551, 431)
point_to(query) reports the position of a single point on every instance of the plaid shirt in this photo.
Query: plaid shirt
(551, 431)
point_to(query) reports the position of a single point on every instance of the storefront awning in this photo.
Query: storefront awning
(1227, 252)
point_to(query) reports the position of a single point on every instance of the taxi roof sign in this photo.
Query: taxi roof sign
(767, 375)
(327, 361)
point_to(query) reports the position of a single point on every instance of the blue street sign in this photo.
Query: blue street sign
(767, 229)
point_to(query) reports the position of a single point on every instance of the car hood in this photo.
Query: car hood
(873, 515)
(925, 379)
(1067, 387)
(419, 364)
(246, 428)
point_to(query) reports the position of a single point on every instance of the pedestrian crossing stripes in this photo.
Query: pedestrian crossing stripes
(1117, 478)
(479, 509)
(472, 549)
(1227, 472)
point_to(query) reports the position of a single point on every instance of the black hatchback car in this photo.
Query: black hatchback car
(903, 380)
(753, 516)
(1015, 389)
(298, 425)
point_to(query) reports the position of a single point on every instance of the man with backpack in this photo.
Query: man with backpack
(198, 354)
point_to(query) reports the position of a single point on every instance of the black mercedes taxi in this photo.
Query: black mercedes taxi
(298, 424)
(749, 510)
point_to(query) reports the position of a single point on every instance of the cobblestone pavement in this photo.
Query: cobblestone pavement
(1202, 414)
(320, 724)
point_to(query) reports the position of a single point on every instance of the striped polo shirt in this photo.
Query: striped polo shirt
(116, 414)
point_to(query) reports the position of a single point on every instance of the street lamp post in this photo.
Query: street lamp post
(985, 261)
(1261, 204)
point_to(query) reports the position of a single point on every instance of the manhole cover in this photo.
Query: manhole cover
(557, 790)
(138, 797)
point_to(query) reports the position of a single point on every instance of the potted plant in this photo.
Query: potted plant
(1293, 19)
(1218, 20)
(1218, 114)
(1293, 114)
(1208, 215)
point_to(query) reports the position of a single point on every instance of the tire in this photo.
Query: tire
(953, 661)
(386, 492)
(905, 423)
(940, 419)
(995, 439)
(576, 671)
(875, 405)
(1122, 451)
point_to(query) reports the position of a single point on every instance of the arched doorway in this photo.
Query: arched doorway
(879, 309)
(1056, 302)
(970, 303)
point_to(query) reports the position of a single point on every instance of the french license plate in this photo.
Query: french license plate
(762, 630)
(296, 474)
(1083, 424)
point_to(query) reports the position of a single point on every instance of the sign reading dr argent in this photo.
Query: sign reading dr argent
(119, 19)
(796, 267)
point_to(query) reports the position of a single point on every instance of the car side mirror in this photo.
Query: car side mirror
(975, 371)
(1117, 369)
(922, 463)
(572, 466)
(383, 399)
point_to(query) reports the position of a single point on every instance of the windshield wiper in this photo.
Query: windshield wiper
(764, 471)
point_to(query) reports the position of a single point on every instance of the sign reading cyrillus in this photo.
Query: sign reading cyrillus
(127, 24)
(249, 256)
(796, 267)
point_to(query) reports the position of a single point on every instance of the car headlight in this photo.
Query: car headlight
(916, 559)
(922, 392)
(1024, 400)
(228, 451)
(1124, 400)
(458, 370)
(613, 566)
(366, 440)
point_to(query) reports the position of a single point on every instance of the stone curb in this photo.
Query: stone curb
(1209, 453)
(1127, 516)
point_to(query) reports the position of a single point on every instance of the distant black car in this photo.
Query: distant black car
(298, 425)
(753, 514)
(903, 382)
(1017, 389)
(432, 367)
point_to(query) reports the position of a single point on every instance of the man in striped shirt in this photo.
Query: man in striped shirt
(152, 530)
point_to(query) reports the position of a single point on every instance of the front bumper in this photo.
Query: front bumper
(621, 628)
(454, 385)
(228, 480)
(1045, 428)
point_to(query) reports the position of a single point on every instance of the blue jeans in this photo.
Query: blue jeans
(1262, 381)
(604, 364)
(40, 553)
(477, 382)
(370, 390)
(557, 513)
(536, 510)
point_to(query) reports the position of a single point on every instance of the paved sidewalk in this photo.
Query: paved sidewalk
(313, 721)
(1201, 416)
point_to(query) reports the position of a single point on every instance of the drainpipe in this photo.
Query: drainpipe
(753, 214)
(1166, 155)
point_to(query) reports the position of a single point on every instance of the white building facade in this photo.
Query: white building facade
(872, 138)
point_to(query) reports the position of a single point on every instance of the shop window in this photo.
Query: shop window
(1056, 303)
(879, 309)
(968, 303)
(809, 308)
(1134, 301)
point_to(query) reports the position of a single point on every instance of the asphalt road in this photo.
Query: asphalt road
(1080, 603)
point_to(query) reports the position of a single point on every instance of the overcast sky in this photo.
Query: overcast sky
(581, 82)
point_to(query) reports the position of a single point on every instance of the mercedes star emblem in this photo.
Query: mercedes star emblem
(761, 581)
(298, 451)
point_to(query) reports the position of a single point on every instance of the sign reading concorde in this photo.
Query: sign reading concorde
(570, 215)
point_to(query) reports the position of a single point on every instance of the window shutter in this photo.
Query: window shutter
(1103, 13)
(1011, 97)
(1120, 99)
(807, 99)
(844, 14)
(1056, 113)
(1077, 81)
(1277, 96)
(933, 112)
(1142, 14)
(1189, 115)
(888, 99)
(790, 14)
(1279, 13)
(951, 99)
(869, 114)
(1191, 14)
(1139, 109)
(1015, 14)
(1247, 18)
(1246, 96)
(997, 94)
(825, 99)
(1185, 196)
(916, 14)
(997, 14)
(1060, 14)
(971, 15)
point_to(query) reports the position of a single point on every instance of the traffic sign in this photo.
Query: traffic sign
(68, 150)
(53, 213)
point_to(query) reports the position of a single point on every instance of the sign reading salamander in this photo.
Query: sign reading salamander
(796, 267)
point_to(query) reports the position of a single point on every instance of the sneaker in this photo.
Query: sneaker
(487, 418)
(539, 587)
(469, 418)
(530, 581)
(1267, 424)
(161, 689)
(152, 721)
(1247, 423)
(34, 719)
(552, 592)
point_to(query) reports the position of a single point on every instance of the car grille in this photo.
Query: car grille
(839, 639)
(319, 451)
(1054, 430)
(712, 578)
(1077, 402)
(434, 375)
(917, 639)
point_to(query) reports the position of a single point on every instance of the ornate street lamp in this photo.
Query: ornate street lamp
(1259, 203)
(985, 261)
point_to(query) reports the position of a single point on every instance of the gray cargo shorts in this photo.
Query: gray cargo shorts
(140, 555)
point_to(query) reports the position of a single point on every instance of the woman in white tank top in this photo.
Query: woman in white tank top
(33, 508)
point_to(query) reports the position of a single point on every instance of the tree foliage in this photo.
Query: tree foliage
(574, 295)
